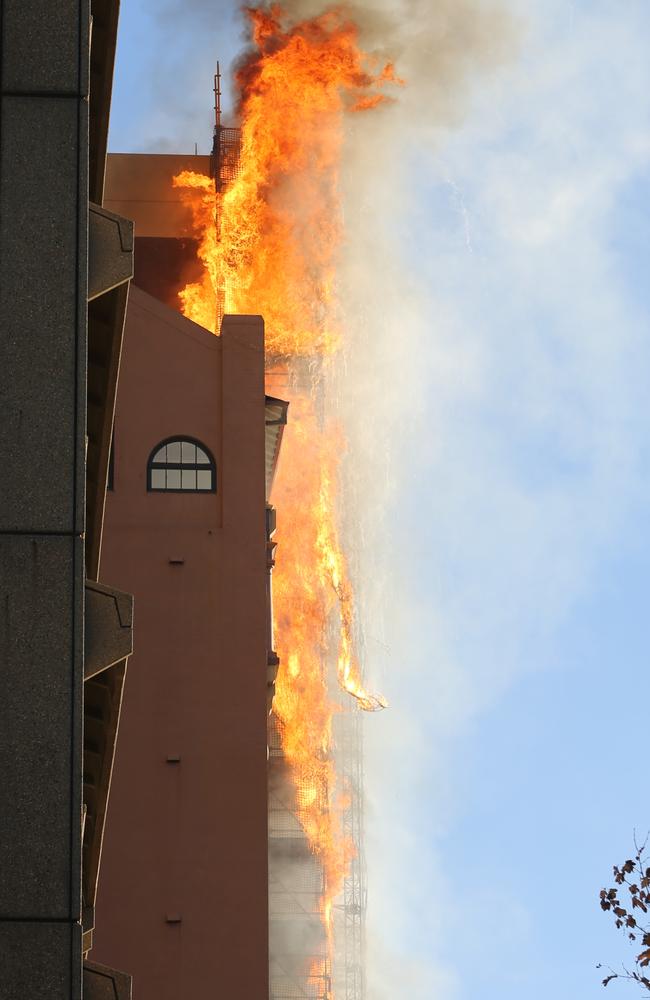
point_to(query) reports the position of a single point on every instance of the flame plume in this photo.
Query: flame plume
(280, 220)
(275, 252)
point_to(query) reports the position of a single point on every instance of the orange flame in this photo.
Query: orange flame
(304, 603)
(274, 251)
(280, 221)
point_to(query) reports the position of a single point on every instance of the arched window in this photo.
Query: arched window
(181, 465)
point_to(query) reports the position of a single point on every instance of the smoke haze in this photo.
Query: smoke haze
(489, 392)
(438, 48)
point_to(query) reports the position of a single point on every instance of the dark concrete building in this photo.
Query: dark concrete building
(65, 264)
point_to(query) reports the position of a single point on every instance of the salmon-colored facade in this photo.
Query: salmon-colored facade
(183, 895)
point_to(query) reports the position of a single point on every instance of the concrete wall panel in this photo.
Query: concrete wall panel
(31, 966)
(41, 47)
(43, 278)
(42, 309)
(40, 699)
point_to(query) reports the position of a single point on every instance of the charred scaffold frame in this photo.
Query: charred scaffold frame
(226, 145)
(300, 963)
(350, 912)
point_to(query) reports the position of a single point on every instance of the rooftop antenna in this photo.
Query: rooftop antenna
(217, 143)
(217, 98)
(224, 167)
(216, 170)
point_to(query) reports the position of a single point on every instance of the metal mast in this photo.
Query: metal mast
(224, 168)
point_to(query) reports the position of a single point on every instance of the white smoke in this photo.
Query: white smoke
(490, 388)
(438, 48)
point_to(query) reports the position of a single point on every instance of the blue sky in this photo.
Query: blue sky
(495, 391)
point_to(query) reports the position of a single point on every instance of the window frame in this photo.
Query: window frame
(181, 466)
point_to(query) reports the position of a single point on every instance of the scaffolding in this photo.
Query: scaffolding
(226, 153)
(300, 965)
(350, 911)
(226, 145)
(299, 960)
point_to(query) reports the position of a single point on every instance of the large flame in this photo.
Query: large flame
(280, 221)
(274, 251)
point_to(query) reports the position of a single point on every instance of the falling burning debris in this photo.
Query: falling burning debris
(274, 251)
